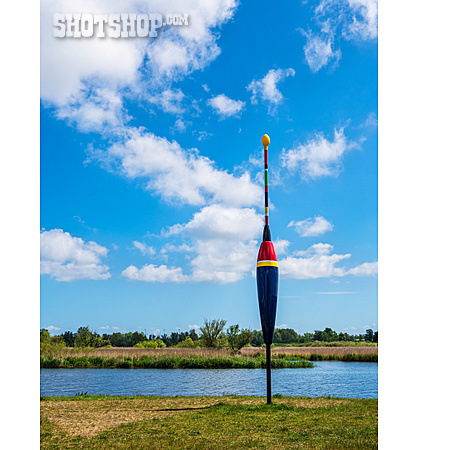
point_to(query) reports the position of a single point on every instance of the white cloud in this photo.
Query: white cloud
(153, 273)
(319, 52)
(201, 135)
(144, 248)
(316, 262)
(226, 107)
(364, 24)
(99, 109)
(222, 261)
(219, 222)
(371, 121)
(319, 249)
(170, 101)
(194, 327)
(72, 68)
(183, 248)
(68, 258)
(319, 157)
(178, 175)
(180, 126)
(365, 269)
(281, 246)
(51, 328)
(267, 90)
(223, 242)
(311, 227)
(353, 20)
(68, 66)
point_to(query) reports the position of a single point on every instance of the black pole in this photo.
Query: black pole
(269, 375)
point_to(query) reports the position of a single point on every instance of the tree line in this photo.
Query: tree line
(212, 334)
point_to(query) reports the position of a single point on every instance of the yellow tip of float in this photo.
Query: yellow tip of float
(265, 140)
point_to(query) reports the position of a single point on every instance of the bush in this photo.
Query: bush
(52, 349)
(154, 343)
(96, 361)
(188, 343)
(109, 362)
(146, 344)
(50, 363)
(125, 364)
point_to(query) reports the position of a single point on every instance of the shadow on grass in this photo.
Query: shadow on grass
(181, 409)
(233, 407)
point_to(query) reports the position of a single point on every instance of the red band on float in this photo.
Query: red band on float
(267, 252)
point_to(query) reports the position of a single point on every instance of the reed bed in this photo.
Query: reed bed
(132, 352)
(248, 357)
(307, 351)
(209, 352)
(169, 362)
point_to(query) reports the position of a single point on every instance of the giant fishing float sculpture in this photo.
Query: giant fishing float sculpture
(267, 276)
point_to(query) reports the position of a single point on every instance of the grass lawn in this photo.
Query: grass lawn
(147, 422)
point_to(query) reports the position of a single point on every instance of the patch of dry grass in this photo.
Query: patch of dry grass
(208, 422)
(127, 352)
(84, 417)
(338, 351)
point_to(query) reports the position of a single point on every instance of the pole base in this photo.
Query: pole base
(269, 375)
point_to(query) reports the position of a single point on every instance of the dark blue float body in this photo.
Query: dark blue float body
(267, 281)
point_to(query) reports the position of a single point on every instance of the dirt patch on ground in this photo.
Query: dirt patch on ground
(89, 417)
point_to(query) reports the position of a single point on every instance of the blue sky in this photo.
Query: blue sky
(151, 167)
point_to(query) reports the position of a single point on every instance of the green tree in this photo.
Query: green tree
(193, 335)
(45, 336)
(327, 335)
(58, 340)
(160, 343)
(97, 341)
(69, 338)
(87, 338)
(257, 339)
(319, 335)
(212, 333)
(285, 336)
(238, 338)
(330, 335)
(369, 335)
(138, 337)
(83, 337)
(307, 338)
(165, 338)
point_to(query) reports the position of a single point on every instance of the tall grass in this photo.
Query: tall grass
(331, 344)
(308, 351)
(169, 362)
(57, 356)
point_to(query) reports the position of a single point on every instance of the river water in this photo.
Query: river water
(327, 378)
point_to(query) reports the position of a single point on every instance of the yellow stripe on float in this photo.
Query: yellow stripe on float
(267, 211)
(267, 263)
